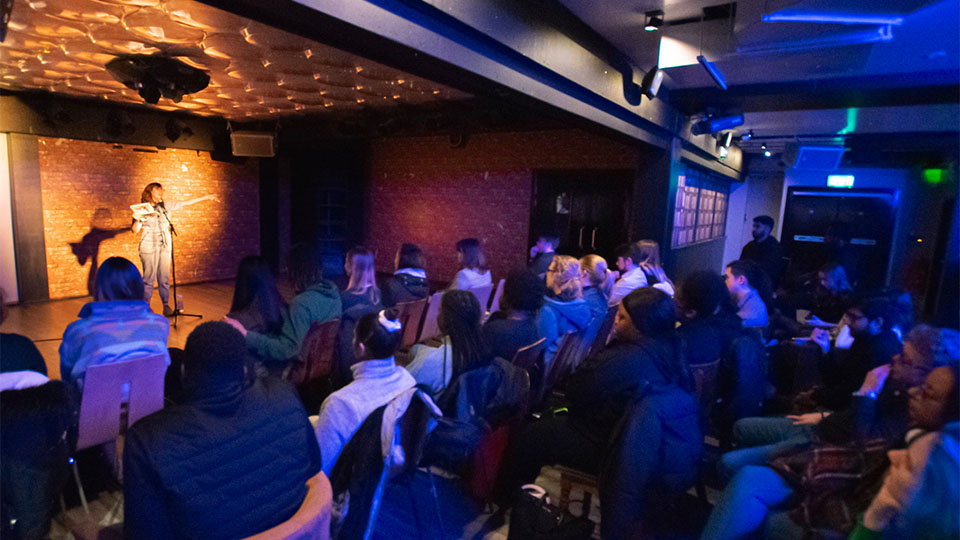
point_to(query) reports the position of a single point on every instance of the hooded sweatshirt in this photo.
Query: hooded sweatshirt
(559, 318)
(318, 304)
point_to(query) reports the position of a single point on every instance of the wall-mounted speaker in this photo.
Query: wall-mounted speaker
(253, 144)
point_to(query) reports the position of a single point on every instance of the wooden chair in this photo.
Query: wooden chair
(315, 360)
(410, 316)
(495, 302)
(483, 296)
(603, 333)
(312, 519)
(526, 357)
(114, 397)
(430, 328)
(568, 357)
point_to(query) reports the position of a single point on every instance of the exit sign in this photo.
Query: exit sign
(840, 180)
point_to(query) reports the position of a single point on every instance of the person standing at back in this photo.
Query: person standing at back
(541, 254)
(764, 249)
(474, 272)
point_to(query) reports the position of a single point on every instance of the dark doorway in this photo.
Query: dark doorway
(868, 217)
(588, 210)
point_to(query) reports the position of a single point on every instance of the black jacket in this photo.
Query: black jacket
(844, 370)
(403, 288)
(767, 254)
(654, 454)
(229, 463)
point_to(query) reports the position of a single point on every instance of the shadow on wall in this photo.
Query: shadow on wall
(89, 246)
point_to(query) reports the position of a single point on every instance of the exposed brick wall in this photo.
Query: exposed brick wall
(423, 191)
(90, 185)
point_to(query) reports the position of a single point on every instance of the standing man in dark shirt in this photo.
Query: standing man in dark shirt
(764, 249)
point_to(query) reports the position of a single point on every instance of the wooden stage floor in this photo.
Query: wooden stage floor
(45, 322)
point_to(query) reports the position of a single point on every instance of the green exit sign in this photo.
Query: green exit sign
(840, 180)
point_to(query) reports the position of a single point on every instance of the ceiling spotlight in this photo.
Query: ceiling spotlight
(651, 82)
(724, 139)
(766, 153)
(763, 147)
(653, 20)
(747, 136)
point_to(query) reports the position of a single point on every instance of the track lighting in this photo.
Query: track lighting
(653, 20)
(651, 82)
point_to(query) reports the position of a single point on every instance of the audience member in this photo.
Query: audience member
(564, 310)
(764, 250)
(709, 322)
(837, 251)
(229, 462)
(361, 296)
(919, 495)
(834, 293)
(631, 275)
(746, 283)
(648, 259)
(317, 300)
(541, 254)
(117, 326)
(409, 281)
(17, 349)
(823, 481)
(38, 421)
(257, 303)
(474, 272)
(376, 381)
(643, 356)
(597, 283)
(462, 348)
(516, 324)
(874, 344)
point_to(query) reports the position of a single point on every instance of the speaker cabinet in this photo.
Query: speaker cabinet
(253, 144)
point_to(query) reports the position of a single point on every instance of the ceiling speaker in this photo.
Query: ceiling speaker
(253, 144)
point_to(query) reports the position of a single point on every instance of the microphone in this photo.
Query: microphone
(161, 205)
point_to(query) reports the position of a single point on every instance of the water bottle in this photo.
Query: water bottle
(179, 302)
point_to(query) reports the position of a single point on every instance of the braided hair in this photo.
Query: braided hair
(459, 318)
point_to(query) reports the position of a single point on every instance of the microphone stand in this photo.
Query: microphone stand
(173, 272)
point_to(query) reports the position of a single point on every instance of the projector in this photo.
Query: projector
(155, 76)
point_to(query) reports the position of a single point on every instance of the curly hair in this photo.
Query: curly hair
(523, 291)
(563, 278)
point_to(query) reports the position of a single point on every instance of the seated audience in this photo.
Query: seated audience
(631, 275)
(474, 272)
(462, 347)
(643, 356)
(874, 344)
(117, 326)
(747, 285)
(764, 250)
(919, 495)
(257, 303)
(515, 325)
(878, 409)
(317, 300)
(834, 294)
(14, 347)
(648, 259)
(231, 461)
(541, 254)
(821, 490)
(597, 283)
(709, 322)
(359, 298)
(409, 281)
(376, 381)
(564, 309)
(38, 421)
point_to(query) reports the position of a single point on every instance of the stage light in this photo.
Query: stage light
(763, 147)
(651, 82)
(713, 125)
(713, 71)
(653, 20)
(766, 153)
(723, 152)
(724, 139)
(747, 136)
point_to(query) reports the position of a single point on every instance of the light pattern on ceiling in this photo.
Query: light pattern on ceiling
(256, 71)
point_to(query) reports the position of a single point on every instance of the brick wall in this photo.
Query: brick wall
(423, 191)
(87, 188)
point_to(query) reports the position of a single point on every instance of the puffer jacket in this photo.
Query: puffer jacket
(402, 288)
(229, 463)
(655, 448)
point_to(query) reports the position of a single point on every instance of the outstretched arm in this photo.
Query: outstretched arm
(200, 199)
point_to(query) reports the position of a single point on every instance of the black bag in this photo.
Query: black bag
(534, 518)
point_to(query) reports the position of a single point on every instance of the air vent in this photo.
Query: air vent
(814, 158)
(253, 144)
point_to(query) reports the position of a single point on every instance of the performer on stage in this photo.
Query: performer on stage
(156, 242)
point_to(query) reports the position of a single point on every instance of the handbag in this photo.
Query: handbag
(534, 518)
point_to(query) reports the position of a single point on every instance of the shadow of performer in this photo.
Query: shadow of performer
(89, 246)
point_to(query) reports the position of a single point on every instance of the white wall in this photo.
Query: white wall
(8, 265)
(758, 195)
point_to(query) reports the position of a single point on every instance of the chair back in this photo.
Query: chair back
(312, 519)
(705, 382)
(495, 302)
(603, 332)
(102, 413)
(410, 316)
(483, 296)
(316, 353)
(526, 357)
(430, 328)
(568, 357)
